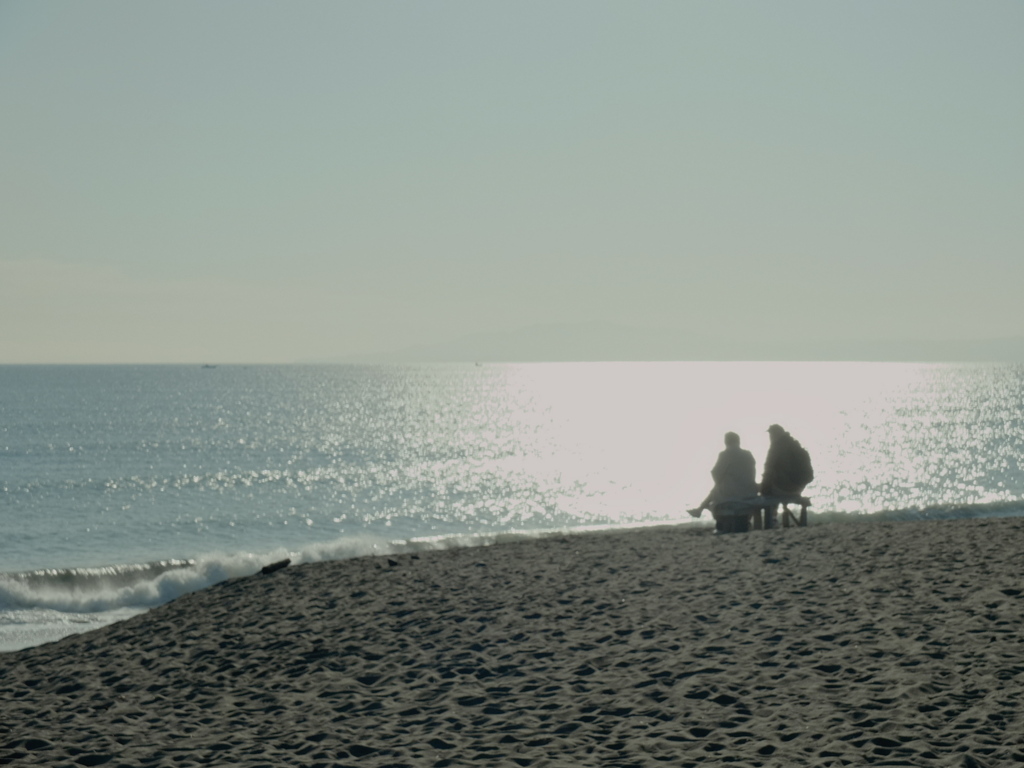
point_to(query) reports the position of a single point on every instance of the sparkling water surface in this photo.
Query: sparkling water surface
(232, 465)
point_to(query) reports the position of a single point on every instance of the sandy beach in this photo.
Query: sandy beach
(842, 644)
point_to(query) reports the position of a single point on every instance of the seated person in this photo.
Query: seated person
(787, 469)
(734, 475)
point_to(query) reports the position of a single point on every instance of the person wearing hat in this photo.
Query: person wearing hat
(787, 469)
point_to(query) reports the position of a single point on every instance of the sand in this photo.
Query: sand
(843, 644)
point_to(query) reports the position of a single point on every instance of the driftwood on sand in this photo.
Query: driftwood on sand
(275, 566)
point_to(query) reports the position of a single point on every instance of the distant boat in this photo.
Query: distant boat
(205, 365)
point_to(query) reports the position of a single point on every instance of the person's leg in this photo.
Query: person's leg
(742, 523)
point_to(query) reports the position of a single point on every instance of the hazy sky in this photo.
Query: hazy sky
(250, 181)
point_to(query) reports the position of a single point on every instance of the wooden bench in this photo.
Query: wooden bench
(737, 515)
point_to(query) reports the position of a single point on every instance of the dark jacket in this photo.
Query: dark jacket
(787, 468)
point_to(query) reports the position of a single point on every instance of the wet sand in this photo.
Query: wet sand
(843, 644)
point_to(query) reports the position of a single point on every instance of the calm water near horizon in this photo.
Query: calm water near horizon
(122, 487)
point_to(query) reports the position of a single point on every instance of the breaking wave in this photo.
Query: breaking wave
(145, 585)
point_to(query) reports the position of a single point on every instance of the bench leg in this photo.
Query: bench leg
(803, 516)
(756, 518)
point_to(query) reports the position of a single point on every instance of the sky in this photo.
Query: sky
(247, 181)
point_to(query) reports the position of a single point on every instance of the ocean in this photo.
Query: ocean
(123, 487)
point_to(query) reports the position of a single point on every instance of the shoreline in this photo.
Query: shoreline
(875, 643)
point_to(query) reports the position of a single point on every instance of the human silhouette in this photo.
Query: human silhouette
(735, 479)
(787, 469)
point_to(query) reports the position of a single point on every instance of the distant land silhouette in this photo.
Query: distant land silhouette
(597, 342)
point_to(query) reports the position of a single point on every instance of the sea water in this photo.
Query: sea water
(123, 487)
